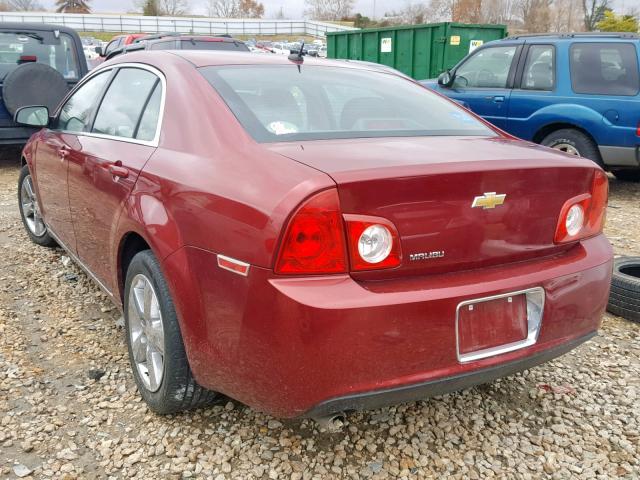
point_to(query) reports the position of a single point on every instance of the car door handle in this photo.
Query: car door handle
(498, 99)
(117, 170)
(63, 151)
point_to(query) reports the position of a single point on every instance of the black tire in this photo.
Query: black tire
(627, 175)
(575, 138)
(178, 390)
(624, 299)
(33, 84)
(44, 239)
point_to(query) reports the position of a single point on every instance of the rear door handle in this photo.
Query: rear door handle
(117, 170)
(498, 99)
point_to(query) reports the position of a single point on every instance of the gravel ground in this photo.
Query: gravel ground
(69, 407)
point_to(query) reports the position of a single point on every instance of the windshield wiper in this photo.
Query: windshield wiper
(31, 34)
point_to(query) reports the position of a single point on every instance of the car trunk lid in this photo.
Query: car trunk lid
(427, 187)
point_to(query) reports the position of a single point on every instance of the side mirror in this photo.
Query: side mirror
(36, 116)
(445, 79)
(98, 50)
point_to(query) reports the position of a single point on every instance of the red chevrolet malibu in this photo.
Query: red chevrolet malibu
(313, 237)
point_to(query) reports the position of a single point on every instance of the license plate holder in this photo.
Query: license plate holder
(498, 324)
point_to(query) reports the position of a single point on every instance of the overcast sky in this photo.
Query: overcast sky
(292, 8)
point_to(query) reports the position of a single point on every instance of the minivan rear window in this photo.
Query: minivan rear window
(604, 68)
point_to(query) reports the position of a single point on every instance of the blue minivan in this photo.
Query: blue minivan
(579, 93)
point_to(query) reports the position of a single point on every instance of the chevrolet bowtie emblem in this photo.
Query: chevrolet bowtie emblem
(489, 200)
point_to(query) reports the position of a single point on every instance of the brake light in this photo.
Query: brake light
(314, 241)
(373, 242)
(638, 130)
(584, 216)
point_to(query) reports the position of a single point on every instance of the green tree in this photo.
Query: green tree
(617, 23)
(73, 6)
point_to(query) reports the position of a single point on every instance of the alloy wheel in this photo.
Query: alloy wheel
(146, 332)
(567, 148)
(30, 208)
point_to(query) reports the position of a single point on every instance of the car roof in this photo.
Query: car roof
(213, 58)
(209, 58)
(576, 36)
(40, 27)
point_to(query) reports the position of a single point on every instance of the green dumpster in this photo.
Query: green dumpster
(420, 51)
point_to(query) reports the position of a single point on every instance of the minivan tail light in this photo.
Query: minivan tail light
(584, 216)
(373, 242)
(314, 242)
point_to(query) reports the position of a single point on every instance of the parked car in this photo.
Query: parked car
(311, 237)
(39, 63)
(118, 42)
(280, 48)
(182, 42)
(579, 93)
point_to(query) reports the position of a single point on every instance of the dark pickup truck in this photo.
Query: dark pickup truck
(39, 63)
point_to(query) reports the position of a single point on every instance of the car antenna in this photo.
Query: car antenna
(297, 57)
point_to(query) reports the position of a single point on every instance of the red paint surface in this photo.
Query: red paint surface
(285, 343)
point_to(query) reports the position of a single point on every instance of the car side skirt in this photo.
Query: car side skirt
(620, 156)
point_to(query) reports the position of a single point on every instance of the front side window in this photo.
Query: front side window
(539, 68)
(123, 104)
(75, 115)
(282, 103)
(488, 68)
(604, 68)
(41, 47)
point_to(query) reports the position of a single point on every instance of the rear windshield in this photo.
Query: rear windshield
(284, 103)
(215, 45)
(43, 47)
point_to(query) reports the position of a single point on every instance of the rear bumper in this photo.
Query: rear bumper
(307, 346)
(409, 393)
(620, 156)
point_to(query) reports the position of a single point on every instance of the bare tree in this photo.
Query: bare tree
(223, 8)
(535, 15)
(73, 6)
(440, 10)
(594, 12)
(173, 8)
(328, 9)
(24, 5)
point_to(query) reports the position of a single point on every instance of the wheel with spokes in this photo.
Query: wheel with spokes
(30, 210)
(156, 351)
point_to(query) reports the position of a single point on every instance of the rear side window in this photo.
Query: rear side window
(539, 68)
(149, 121)
(124, 102)
(604, 68)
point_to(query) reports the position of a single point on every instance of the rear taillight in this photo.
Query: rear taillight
(314, 241)
(373, 242)
(638, 130)
(583, 216)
